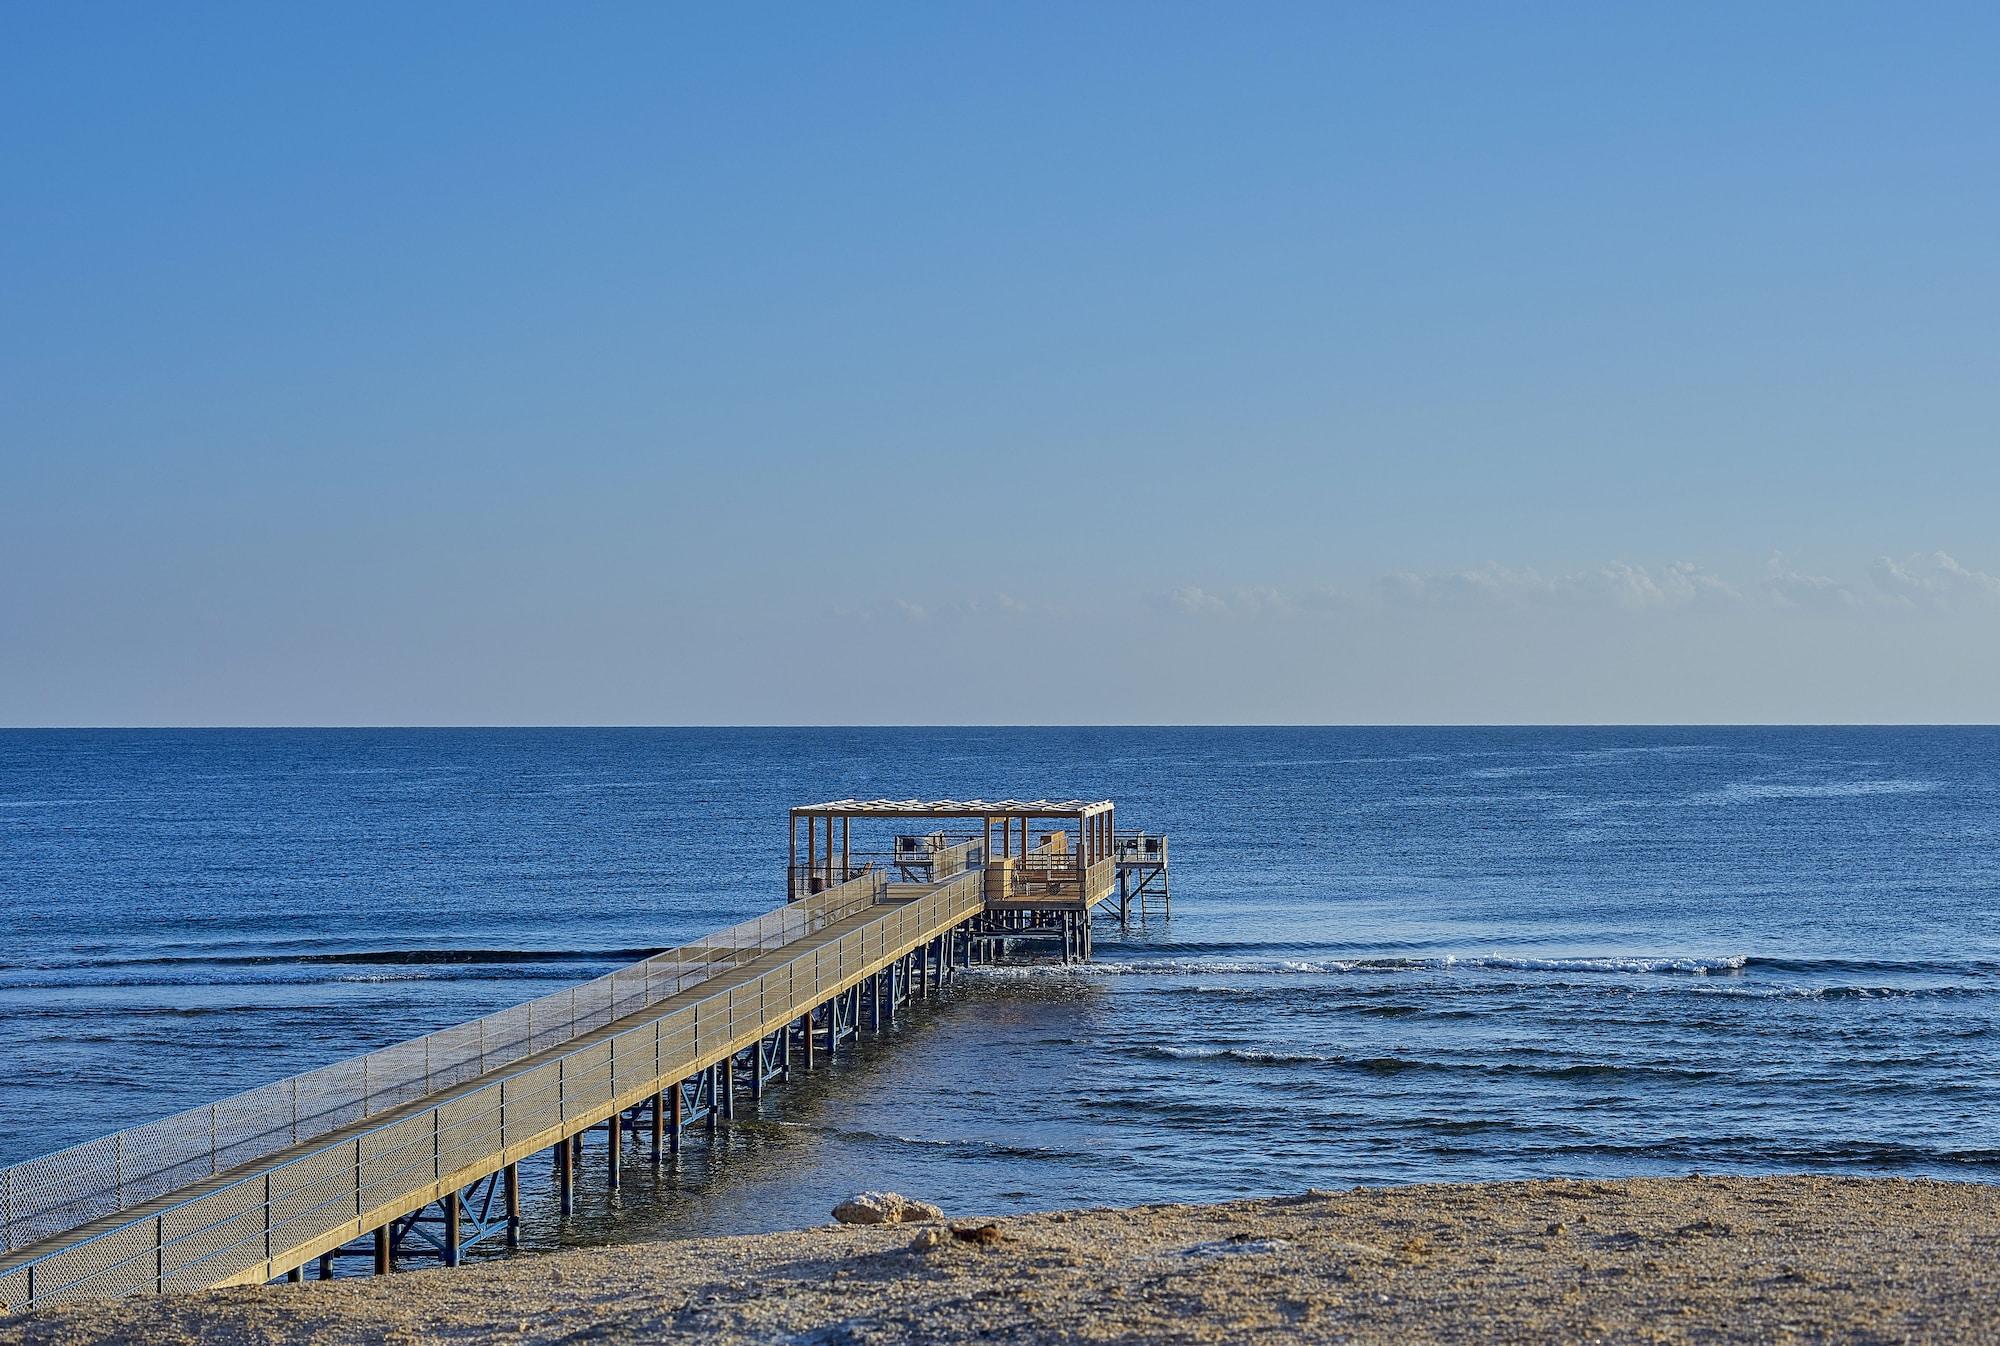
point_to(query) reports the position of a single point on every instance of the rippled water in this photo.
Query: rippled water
(1395, 955)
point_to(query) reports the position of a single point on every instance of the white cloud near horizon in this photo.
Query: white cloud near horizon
(1934, 582)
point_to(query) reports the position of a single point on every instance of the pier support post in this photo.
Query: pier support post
(326, 1266)
(678, 1104)
(566, 1175)
(615, 1130)
(659, 1121)
(451, 1213)
(510, 1178)
(806, 1039)
(385, 1256)
(296, 1275)
(757, 1070)
(728, 1090)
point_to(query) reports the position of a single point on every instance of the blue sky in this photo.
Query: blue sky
(1112, 362)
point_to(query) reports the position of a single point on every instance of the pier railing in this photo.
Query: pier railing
(241, 1230)
(62, 1191)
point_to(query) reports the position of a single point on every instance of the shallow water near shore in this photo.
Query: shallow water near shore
(1395, 954)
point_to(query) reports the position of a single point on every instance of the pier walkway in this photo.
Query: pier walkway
(403, 1152)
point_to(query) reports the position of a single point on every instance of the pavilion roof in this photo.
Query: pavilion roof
(957, 808)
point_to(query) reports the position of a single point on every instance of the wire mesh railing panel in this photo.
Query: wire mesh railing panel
(332, 1097)
(533, 1102)
(586, 1080)
(677, 1037)
(311, 1195)
(14, 1287)
(508, 1036)
(398, 1159)
(468, 1131)
(629, 990)
(164, 1156)
(635, 1059)
(212, 1237)
(121, 1262)
(251, 1125)
(552, 1017)
(457, 1055)
(62, 1190)
(398, 1074)
(593, 1005)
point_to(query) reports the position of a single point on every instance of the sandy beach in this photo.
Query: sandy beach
(1655, 1260)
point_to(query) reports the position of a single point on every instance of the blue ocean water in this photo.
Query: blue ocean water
(1395, 954)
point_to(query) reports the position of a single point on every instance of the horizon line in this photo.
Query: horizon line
(981, 724)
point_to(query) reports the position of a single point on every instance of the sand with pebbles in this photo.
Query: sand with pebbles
(1692, 1259)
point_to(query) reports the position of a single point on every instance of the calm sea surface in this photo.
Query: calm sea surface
(1395, 955)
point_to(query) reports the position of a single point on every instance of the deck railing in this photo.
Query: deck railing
(61, 1191)
(1140, 847)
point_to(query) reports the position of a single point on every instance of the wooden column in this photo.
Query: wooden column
(659, 1126)
(614, 1150)
(812, 850)
(566, 1176)
(845, 867)
(510, 1180)
(677, 1103)
(385, 1252)
(791, 856)
(451, 1231)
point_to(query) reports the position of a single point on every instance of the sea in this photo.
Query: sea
(1394, 955)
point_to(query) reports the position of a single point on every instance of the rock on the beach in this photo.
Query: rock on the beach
(885, 1208)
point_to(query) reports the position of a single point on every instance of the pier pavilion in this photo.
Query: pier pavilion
(414, 1151)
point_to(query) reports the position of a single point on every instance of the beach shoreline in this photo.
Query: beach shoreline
(1634, 1259)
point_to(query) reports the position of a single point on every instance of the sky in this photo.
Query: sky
(999, 363)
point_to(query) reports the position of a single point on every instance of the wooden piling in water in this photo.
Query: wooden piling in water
(511, 1180)
(566, 1176)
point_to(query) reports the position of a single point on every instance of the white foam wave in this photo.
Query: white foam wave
(1751, 792)
(1284, 967)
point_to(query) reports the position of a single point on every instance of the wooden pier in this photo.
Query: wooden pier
(414, 1150)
